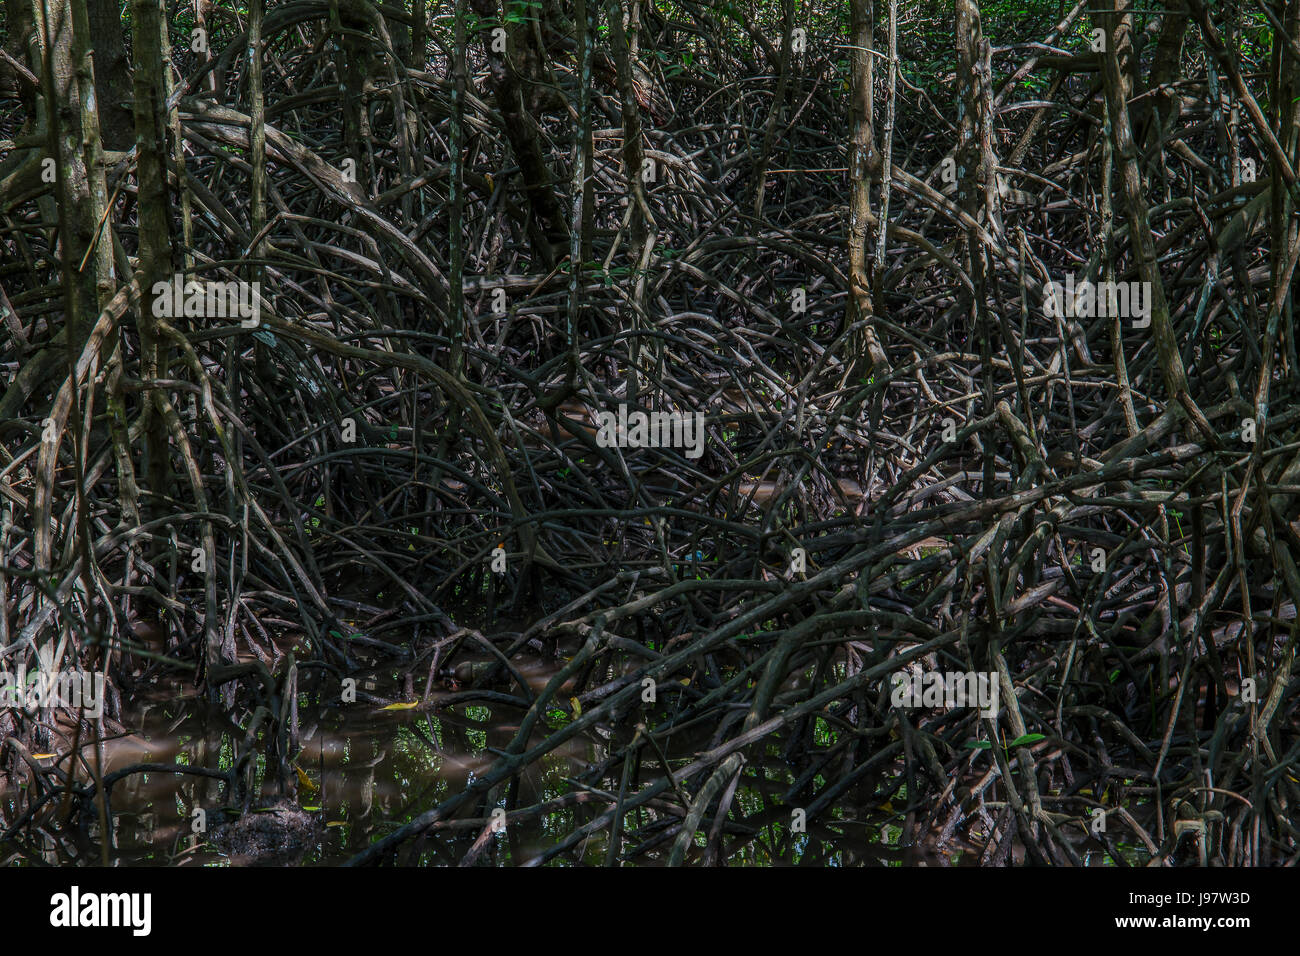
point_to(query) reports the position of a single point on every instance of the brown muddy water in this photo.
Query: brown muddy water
(364, 770)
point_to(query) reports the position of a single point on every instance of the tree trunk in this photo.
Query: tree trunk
(1117, 25)
(548, 231)
(419, 35)
(777, 112)
(1157, 113)
(1285, 230)
(579, 193)
(641, 224)
(456, 178)
(863, 162)
(74, 145)
(154, 217)
(112, 83)
(257, 132)
(976, 189)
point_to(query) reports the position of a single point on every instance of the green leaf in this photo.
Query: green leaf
(978, 745)
(1026, 739)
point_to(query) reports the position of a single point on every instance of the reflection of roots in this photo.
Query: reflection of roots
(277, 835)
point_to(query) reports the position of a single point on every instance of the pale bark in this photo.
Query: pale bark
(863, 162)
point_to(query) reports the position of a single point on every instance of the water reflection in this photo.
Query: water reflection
(363, 771)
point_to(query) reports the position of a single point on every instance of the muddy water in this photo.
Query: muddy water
(363, 770)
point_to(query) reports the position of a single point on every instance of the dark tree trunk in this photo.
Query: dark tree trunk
(112, 81)
(522, 61)
(154, 215)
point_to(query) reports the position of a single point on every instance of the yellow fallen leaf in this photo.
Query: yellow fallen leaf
(305, 781)
(686, 682)
(577, 707)
(337, 823)
(44, 756)
(402, 706)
